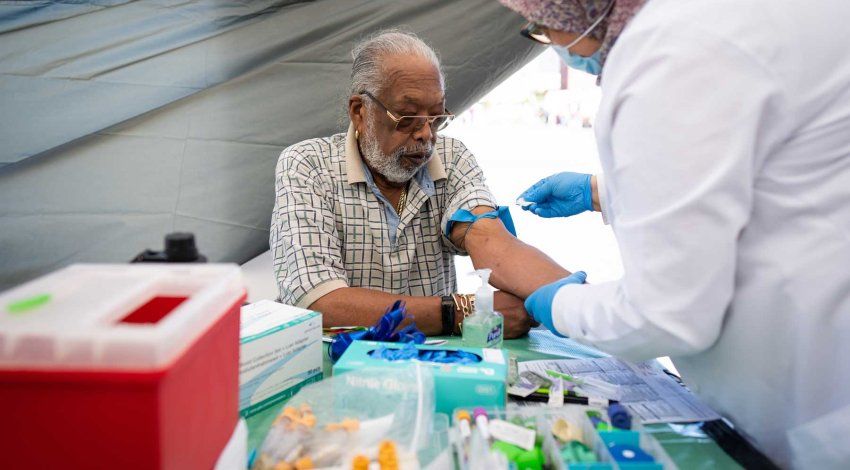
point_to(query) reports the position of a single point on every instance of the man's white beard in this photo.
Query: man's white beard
(391, 166)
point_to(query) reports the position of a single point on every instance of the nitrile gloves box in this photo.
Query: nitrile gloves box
(455, 385)
(280, 352)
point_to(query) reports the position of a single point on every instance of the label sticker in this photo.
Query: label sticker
(495, 335)
(556, 393)
(493, 355)
(599, 402)
(512, 434)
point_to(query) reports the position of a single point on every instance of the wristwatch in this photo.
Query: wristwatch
(447, 313)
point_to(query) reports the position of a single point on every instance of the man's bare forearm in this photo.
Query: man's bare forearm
(518, 268)
(364, 307)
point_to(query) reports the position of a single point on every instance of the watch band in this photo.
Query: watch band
(447, 313)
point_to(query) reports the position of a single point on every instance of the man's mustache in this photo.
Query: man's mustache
(425, 150)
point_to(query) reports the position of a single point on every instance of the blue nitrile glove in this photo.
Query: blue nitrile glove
(539, 303)
(560, 195)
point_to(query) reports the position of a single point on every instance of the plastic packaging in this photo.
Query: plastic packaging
(485, 327)
(523, 203)
(339, 421)
(589, 386)
(409, 352)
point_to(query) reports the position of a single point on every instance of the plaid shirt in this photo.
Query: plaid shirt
(332, 228)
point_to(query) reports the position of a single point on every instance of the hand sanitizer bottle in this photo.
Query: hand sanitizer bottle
(483, 329)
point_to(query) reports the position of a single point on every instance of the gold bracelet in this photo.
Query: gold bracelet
(466, 304)
(458, 308)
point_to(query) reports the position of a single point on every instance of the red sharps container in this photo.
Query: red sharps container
(120, 366)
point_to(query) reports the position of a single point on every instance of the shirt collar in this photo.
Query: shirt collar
(354, 163)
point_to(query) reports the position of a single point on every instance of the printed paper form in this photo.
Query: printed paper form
(645, 389)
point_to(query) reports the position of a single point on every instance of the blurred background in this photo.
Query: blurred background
(538, 122)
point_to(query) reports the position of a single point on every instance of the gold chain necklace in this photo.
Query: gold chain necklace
(401, 201)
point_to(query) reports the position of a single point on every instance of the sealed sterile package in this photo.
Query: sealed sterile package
(352, 420)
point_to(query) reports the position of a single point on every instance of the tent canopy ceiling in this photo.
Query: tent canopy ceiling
(125, 120)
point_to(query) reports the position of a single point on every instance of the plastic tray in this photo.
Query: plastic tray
(543, 417)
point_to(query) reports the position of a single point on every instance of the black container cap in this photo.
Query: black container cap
(180, 247)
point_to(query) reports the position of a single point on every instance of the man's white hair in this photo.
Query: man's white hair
(367, 70)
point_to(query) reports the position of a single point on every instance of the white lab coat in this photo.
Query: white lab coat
(724, 137)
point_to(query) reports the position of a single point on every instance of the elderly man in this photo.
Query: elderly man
(374, 215)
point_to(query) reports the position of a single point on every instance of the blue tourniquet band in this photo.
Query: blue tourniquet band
(462, 215)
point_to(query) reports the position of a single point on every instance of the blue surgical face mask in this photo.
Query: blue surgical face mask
(591, 65)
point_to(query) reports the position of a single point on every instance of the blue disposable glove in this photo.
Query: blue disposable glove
(539, 303)
(560, 195)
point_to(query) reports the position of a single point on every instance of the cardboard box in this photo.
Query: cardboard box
(455, 385)
(280, 351)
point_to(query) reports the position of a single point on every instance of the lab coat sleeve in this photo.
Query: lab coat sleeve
(684, 116)
(603, 198)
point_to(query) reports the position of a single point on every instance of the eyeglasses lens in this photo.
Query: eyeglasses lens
(541, 37)
(440, 123)
(413, 124)
(407, 123)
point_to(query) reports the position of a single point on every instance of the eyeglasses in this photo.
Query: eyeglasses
(411, 124)
(537, 33)
(534, 32)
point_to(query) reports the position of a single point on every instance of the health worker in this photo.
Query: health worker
(724, 138)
